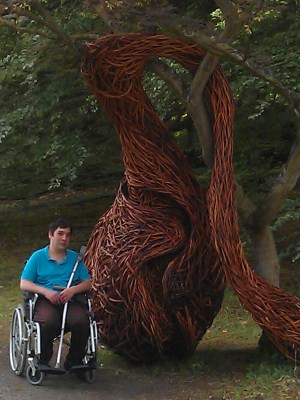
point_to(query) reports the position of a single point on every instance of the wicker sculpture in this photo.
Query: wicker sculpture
(160, 256)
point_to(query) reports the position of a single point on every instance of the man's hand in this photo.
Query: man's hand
(53, 296)
(66, 294)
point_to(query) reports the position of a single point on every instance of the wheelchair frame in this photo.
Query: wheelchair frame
(25, 345)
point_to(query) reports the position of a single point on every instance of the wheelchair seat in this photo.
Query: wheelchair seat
(25, 343)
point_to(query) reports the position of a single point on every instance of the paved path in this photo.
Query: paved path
(108, 385)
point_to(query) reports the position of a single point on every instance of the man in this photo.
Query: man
(49, 267)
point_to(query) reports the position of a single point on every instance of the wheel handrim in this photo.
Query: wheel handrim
(17, 345)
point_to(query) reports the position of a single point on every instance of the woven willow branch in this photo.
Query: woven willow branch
(160, 255)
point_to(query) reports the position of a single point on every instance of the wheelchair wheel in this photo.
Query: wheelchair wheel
(34, 379)
(89, 376)
(18, 341)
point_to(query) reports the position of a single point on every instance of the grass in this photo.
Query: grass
(10, 296)
(227, 363)
(227, 358)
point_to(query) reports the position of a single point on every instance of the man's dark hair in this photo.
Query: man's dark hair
(59, 223)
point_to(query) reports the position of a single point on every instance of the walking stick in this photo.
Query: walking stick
(63, 322)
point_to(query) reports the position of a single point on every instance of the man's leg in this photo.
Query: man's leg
(49, 317)
(78, 324)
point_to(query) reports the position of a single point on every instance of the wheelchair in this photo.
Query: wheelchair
(25, 344)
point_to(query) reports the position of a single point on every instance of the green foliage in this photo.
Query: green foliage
(35, 120)
(201, 8)
(173, 112)
(48, 123)
(163, 98)
(264, 126)
(290, 215)
(51, 129)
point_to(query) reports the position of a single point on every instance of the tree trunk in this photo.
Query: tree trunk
(265, 263)
(265, 260)
(263, 256)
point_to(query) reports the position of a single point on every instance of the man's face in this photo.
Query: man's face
(60, 239)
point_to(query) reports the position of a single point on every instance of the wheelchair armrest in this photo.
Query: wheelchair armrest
(82, 298)
(29, 295)
(87, 295)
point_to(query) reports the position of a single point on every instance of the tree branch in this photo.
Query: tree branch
(286, 181)
(225, 51)
(169, 76)
(84, 36)
(199, 114)
(100, 8)
(245, 206)
(51, 24)
(18, 28)
(197, 109)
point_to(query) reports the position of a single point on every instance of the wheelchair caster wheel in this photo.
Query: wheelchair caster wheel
(89, 376)
(34, 379)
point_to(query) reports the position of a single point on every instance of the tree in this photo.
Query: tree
(234, 31)
(229, 31)
(47, 109)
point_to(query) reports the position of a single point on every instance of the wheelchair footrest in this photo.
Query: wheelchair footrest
(47, 369)
(82, 368)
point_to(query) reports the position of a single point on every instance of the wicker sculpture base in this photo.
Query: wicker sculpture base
(160, 255)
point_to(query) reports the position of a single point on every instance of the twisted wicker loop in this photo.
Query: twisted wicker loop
(160, 255)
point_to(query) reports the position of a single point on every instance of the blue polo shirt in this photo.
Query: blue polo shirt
(46, 272)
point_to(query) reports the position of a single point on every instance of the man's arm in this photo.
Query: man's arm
(29, 286)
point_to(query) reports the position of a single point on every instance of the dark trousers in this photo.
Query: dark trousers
(50, 318)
